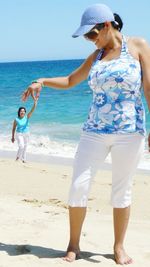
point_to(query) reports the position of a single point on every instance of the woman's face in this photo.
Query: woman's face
(22, 113)
(103, 37)
(100, 38)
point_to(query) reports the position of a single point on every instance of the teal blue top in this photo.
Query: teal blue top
(22, 125)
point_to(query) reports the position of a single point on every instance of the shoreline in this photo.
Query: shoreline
(58, 160)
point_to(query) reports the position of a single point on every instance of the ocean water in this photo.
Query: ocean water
(57, 122)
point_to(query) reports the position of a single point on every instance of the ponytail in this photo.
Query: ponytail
(118, 23)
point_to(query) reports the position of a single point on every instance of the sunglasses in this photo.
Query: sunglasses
(92, 34)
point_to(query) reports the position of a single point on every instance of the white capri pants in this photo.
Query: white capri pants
(22, 139)
(125, 149)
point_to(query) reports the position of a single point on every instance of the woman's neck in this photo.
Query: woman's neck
(115, 42)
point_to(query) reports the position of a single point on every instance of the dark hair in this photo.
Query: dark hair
(118, 23)
(20, 110)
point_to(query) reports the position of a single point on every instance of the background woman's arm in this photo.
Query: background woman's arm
(13, 131)
(32, 109)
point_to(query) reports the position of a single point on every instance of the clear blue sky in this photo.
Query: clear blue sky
(42, 29)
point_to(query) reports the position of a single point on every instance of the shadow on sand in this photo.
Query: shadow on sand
(43, 252)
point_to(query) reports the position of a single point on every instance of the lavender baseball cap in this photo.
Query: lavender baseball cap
(98, 13)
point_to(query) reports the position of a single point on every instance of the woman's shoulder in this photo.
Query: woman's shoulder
(95, 55)
(91, 58)
(137, 41)
(137, 46)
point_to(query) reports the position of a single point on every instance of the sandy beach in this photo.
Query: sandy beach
(34, 227)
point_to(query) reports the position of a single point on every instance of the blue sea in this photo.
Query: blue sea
(56, 124)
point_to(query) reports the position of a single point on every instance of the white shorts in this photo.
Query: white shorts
(125, 149)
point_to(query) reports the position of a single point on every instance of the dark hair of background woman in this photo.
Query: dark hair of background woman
(20, 110)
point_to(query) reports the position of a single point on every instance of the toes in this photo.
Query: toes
(123, 260)
(70, 257)
(130, 261)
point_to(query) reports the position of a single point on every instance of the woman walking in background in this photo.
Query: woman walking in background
(21, 126)
(116, 72)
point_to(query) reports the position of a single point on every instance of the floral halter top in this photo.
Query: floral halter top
(117, 105)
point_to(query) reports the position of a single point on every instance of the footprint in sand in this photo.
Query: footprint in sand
(58, 203)
(39, 203)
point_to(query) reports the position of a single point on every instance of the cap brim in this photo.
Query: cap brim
(82, 30)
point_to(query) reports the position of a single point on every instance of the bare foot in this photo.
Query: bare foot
(72, 255)
(121, 257)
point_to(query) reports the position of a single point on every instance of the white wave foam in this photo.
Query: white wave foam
(41, 145)
(45, 146)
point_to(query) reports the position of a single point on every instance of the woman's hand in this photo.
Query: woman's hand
(12, 139)
(149, 142)
(33, 90)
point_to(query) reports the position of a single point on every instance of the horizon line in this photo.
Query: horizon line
(40, 60)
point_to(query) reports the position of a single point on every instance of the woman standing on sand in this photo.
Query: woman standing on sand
(21, 126)
(117, 70)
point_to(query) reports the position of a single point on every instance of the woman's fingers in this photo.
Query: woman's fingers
(38, 92)
(33, 90)
(24, 96)
(32, 95)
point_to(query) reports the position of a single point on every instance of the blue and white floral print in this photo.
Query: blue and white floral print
(117, 106)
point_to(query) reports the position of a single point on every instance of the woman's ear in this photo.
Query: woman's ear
(107, 24)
